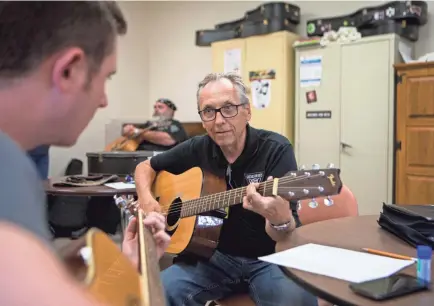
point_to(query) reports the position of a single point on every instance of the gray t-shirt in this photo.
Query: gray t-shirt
(23, 200)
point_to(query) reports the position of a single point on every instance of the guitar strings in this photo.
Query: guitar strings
(265, 187)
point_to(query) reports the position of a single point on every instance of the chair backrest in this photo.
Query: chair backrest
(344, 205)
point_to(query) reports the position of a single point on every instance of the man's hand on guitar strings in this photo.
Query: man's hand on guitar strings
(275, 209)
(156, 223)
(149, 204)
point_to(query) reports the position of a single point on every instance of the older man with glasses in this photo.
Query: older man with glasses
(243, 155)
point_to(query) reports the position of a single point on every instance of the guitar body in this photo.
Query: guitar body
(109, 275)
(122, 144)
(195, 234)
(191, 200)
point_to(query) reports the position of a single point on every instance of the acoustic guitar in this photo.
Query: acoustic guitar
(131, 143)
(193, 202)
(97, 262)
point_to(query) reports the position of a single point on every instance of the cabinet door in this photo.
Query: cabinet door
(366, 70)
(227, 51)
(317, 140)
(267, 52)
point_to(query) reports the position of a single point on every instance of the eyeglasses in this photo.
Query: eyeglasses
(227, 111)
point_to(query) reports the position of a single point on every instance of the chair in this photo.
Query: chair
(344, 205)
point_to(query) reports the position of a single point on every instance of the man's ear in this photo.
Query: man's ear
(70, 69)
(249, 111)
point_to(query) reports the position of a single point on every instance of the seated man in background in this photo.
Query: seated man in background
(55, 60)
(160, 138)
(240, 155)
(41, 157)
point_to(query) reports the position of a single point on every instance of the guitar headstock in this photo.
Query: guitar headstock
(126, 204)
(310, 183)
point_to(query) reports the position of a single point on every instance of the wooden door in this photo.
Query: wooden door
(266, 52)
(415, 134)
(317, 139)
(366, 71)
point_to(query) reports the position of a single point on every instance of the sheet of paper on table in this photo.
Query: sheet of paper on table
(121, 185)
(348, 265)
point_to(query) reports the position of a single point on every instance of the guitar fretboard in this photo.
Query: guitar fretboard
(221, 200)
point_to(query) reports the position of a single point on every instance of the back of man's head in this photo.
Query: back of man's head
(32, 31)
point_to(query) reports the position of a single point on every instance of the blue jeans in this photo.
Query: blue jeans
(223, 275)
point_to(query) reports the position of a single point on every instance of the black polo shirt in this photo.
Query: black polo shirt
(265, 154)
(175, 130)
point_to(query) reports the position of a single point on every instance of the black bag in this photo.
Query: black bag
(412, 223)
(400, 17)
(118, 163)
(265, 19)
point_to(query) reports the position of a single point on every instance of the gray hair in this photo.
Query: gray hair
(233, 77)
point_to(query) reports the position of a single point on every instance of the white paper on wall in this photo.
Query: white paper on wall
(232, 60)
(310, 71)
(261, 93)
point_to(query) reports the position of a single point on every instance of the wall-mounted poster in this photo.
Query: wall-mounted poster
(311, 97)
(261, 93)
(265, 74)
(310, 71)
(261, 87)
(232, 60)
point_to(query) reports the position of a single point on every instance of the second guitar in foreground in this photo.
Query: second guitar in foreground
(193, 201)
(108, 275)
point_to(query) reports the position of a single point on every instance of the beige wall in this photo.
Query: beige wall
(158, 58)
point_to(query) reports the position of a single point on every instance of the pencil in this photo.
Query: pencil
(392, 255)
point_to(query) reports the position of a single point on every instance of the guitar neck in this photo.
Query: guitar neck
(296, 185)
(223, 199)
(151, 287)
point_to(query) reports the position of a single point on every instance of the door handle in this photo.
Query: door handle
(345, 145)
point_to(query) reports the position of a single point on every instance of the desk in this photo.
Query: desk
(351, 233)
(89, 191)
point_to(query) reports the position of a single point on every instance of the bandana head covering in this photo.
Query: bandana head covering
(169, 103)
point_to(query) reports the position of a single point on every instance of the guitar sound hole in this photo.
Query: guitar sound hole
(174, 212)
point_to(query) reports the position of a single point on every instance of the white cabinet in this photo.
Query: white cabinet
(351, 124)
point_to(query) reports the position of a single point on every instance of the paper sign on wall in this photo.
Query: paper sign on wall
(232, 60)
(261, 93)
(310, 71)
(311, 97)
(261, 87)
(318, 114)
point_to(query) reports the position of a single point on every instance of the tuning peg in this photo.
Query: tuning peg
(313, 203)
(316, 167)
(330, 165)
(302, 167)
(120, 201)
(306, 191)
(291, 194)
(328, 201)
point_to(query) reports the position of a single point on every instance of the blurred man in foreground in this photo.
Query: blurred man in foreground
(55, 59)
